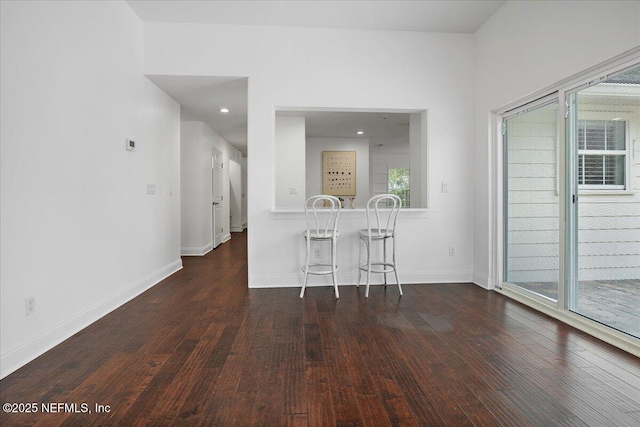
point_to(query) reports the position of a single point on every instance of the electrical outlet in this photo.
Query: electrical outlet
(29, 305)
(452, 251)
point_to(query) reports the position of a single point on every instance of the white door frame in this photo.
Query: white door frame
(216, 196)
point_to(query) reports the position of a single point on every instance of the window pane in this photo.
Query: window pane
(614, 170)
(595, 135)
(399, 179)
(605, 284)
(593, 169)
(601, 135)
(581, 170)
(531, 235)
(601, 170)
(616, 135)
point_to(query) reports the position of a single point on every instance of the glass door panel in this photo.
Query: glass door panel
(604, 137)
(531, 200)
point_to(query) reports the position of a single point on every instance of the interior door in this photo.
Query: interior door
(216, 197)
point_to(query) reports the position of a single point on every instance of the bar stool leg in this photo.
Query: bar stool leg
(395, 270)
(359, 263)
(334, 272)
(306, 268)
(384, 260)
(369, 244)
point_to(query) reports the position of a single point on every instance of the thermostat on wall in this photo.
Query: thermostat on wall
(131, 145)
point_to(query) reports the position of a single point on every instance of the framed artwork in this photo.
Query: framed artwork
(339, 173)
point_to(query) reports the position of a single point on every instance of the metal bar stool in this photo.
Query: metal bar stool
(322, 214)
(382, 216)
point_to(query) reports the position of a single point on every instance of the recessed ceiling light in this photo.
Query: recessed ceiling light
(224, 110)
(360, 132)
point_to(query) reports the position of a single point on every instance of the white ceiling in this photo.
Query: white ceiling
(386, 131)
(451, 16)
(202, 97)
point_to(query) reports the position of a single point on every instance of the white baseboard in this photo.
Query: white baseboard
(235, 229)
(417, 278)
(225, 238)
(193, 251)
(17, 357)
(408, 278)
(482, 281)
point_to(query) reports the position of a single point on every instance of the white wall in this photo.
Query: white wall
(197, 141)
(418, 125)
(315, 147)
(195, 168)
(243, 164)
(524, 47)
(79, 232)
(342, 69)
(289, 162)
(235, 196)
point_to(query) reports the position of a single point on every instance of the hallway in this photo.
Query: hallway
(201, 349)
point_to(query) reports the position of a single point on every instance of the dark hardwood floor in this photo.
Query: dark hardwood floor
(201, 349)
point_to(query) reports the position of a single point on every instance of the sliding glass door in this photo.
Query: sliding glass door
(531, 249)
(603, 137)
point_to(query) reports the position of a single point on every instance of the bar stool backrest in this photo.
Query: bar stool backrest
(322, 213)
(382, 214)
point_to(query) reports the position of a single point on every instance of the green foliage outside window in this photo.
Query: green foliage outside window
(399, 185)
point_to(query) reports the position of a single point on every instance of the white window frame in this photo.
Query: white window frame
(625, 153)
